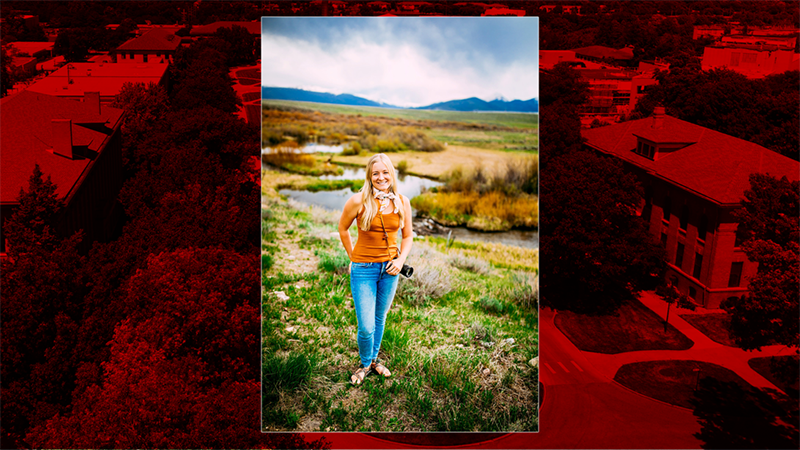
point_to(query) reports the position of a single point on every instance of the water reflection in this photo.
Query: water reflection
(408, 185)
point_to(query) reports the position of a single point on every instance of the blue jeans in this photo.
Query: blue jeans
(373, 291)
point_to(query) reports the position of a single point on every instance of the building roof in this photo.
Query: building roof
(27, 135)
(607, 74)
(206, 30)
(714, 165)
(107, 78)
(32, 48)
(156, 40)
(598, 51)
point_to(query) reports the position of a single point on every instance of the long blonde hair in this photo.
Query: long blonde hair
(368, 201)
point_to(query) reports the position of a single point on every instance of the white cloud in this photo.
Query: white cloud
(402, 73)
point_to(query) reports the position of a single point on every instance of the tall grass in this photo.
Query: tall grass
(486, 201)
(288, 153)
(519, 177)
(375, 134)
(492, 211)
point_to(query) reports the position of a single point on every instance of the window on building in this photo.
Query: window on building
(702, 227)
(737, 242)
(679, 256)
(684, 216)
(736, 274)
(144, 57)
(664, 240)
(646, 150)
(692, 293)
(698, 265)
(667, 209)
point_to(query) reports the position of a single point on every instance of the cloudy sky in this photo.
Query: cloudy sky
(404, 61)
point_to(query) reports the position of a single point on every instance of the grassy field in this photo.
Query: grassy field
(459, 339)
(516, 120)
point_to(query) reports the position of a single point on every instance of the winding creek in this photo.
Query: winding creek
(410, 186)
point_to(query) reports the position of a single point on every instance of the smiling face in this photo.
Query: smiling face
(381, 176)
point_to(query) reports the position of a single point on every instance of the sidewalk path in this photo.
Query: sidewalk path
(704, 349)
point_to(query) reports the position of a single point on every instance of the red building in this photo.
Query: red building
(77, 144)
(156, 46)
(693, 179)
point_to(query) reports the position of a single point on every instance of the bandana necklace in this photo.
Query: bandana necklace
(385, 198)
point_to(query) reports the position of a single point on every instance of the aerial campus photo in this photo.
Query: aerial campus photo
(448, 108)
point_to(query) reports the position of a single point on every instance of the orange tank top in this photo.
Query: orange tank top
(371, 245)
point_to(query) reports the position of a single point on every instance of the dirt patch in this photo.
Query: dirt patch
(310, 422)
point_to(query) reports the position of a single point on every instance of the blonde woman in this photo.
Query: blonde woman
(380, 211)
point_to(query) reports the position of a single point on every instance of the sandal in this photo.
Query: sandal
(358, 376)
(380, 368)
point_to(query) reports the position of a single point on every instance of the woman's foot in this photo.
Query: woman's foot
(358, 376)
(380, 369)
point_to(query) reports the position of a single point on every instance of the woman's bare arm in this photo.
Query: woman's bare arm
(349, 214)
(408, 235)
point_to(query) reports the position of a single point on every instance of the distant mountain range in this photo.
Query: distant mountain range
(276, 93)
(467, 104)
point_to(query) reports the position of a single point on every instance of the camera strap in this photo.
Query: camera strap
(386, 237)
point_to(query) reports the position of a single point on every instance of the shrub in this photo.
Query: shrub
(491, 304)
(431, 277)
(526, 289)
(480, 332)
(402, 166)
(468, 263)
(266, 261)
(353, 149)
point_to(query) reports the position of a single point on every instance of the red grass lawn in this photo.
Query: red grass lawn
(633, 327)
(716, 326)
(673, 382)
(762, 366)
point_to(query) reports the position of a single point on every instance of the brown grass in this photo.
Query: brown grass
(492, 211)
(673, 382)
(717, 326)
(633, 327)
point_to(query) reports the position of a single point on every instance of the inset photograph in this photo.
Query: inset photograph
(400, 219)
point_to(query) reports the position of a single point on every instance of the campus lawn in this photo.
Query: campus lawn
(716, 326)
(631, 328)
(762, 366)
(458, 341)
(674, 381)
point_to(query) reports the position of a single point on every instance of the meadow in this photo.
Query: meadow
(488, 161)
(461, 336)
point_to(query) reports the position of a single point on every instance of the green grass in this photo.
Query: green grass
(674, 382)
(517, 120)
(631, 328)
(437, 360)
